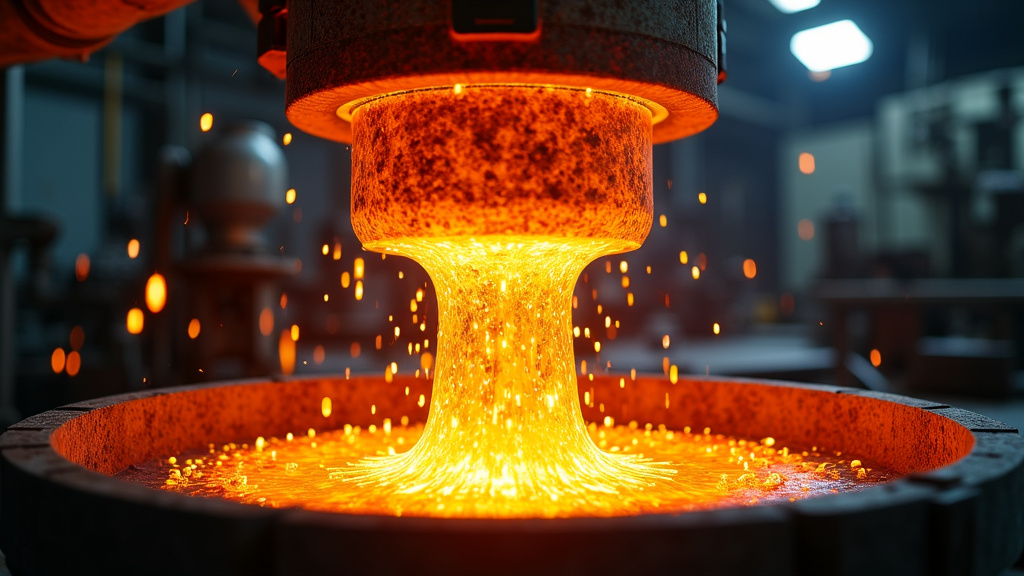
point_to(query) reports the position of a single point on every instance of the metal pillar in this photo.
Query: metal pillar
(12, 88)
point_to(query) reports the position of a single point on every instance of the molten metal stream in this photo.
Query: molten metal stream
(505, 435)
(504, 194)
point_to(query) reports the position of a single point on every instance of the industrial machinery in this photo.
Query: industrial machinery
(505, 145)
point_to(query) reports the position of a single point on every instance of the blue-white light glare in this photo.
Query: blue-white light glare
(831, 46)
(791, 6)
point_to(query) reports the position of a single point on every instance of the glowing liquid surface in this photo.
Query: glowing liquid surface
(711, 471)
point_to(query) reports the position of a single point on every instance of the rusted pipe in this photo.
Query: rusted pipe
(33, 30)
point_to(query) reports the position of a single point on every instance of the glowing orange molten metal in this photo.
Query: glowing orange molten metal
(504, 194)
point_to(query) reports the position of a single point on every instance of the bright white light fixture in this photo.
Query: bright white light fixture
(791, 6)
(831, 46)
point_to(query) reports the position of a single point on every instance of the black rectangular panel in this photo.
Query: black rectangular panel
(494, 16)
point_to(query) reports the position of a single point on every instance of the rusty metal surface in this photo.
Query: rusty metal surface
(960, 509)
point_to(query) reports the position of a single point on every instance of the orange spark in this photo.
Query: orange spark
(156, 293)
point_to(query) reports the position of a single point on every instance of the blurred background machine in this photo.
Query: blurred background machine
(858, 223)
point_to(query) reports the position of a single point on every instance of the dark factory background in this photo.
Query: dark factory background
(860, 226)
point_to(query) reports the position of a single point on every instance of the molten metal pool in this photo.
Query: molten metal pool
(700, 470)
(953, 505)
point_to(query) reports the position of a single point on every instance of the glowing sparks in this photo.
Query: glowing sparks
(156, 292)
(286, 139)
(82, 265)
(194, 328)
(876, 357)
(695, 272)
(665, 341)
(135, 321)
(266, 321)
(684, 258)
(663, 221)
(749, 268)
(805, 229)
(133, 248)
(289, 196)
(358, 268)
(74, 363)
(806, 163)
(702, 198)
(286, 352)
(57, 359)
(716, 328)
(325, 407)
(294, 333)
(206, 122)
(77, 338)
(359, 290)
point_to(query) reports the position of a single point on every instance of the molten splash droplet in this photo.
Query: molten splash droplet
(194, 328)
(135, 321)
(286, 350)
(57, 360)
(156, 293)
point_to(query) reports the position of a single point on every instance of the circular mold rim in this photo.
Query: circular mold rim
(958, 509)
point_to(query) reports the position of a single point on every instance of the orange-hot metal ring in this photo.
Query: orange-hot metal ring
(658, 112)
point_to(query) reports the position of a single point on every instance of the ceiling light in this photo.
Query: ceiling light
(831, 46)
(791, 6)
